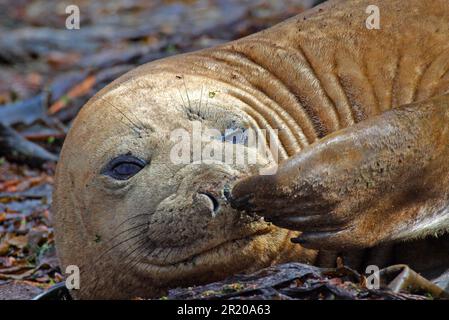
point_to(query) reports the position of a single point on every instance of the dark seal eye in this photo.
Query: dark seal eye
(123, 167)
(236, 136)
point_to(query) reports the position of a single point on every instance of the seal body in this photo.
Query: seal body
(137, 223)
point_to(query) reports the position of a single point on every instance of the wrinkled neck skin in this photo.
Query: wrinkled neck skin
(312, 75)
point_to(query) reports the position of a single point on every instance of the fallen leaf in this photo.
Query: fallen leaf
(18, 241)
(4, 248)
(21, 276)
(15, 269)
(77, 91)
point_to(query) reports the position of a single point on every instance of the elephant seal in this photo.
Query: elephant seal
(137, 223)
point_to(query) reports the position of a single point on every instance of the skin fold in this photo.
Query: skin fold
(384, 179)
(361, 117)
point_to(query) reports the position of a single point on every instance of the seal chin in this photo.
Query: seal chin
(214, 251)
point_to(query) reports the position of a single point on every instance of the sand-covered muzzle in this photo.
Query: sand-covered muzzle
(198, 217)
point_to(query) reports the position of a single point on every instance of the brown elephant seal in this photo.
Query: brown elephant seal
(137, 223)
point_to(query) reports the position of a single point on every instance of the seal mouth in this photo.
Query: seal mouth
(229, 243)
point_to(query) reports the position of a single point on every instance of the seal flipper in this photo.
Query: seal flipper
(386, 178)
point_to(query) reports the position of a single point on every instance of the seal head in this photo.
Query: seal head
(136, 222)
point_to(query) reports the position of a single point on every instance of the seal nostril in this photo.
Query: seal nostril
(215, 203)
(227, 192)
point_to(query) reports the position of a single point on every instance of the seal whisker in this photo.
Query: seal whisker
(201, 96)
(83, 270)
(144, 246)
(133, 217)
(141, 242)
(134, 125)
(136, 261)
(183, 103)
(141, 248)
(117, 273)
(124, 241)
(129, 229)
(187, 92)
(137, 118)
(118, 244)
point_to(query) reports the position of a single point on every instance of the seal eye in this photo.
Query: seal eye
(236, 136)
(123, 167)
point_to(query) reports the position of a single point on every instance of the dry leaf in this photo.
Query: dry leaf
(77, 91)
(18, 241)
(4, 248)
